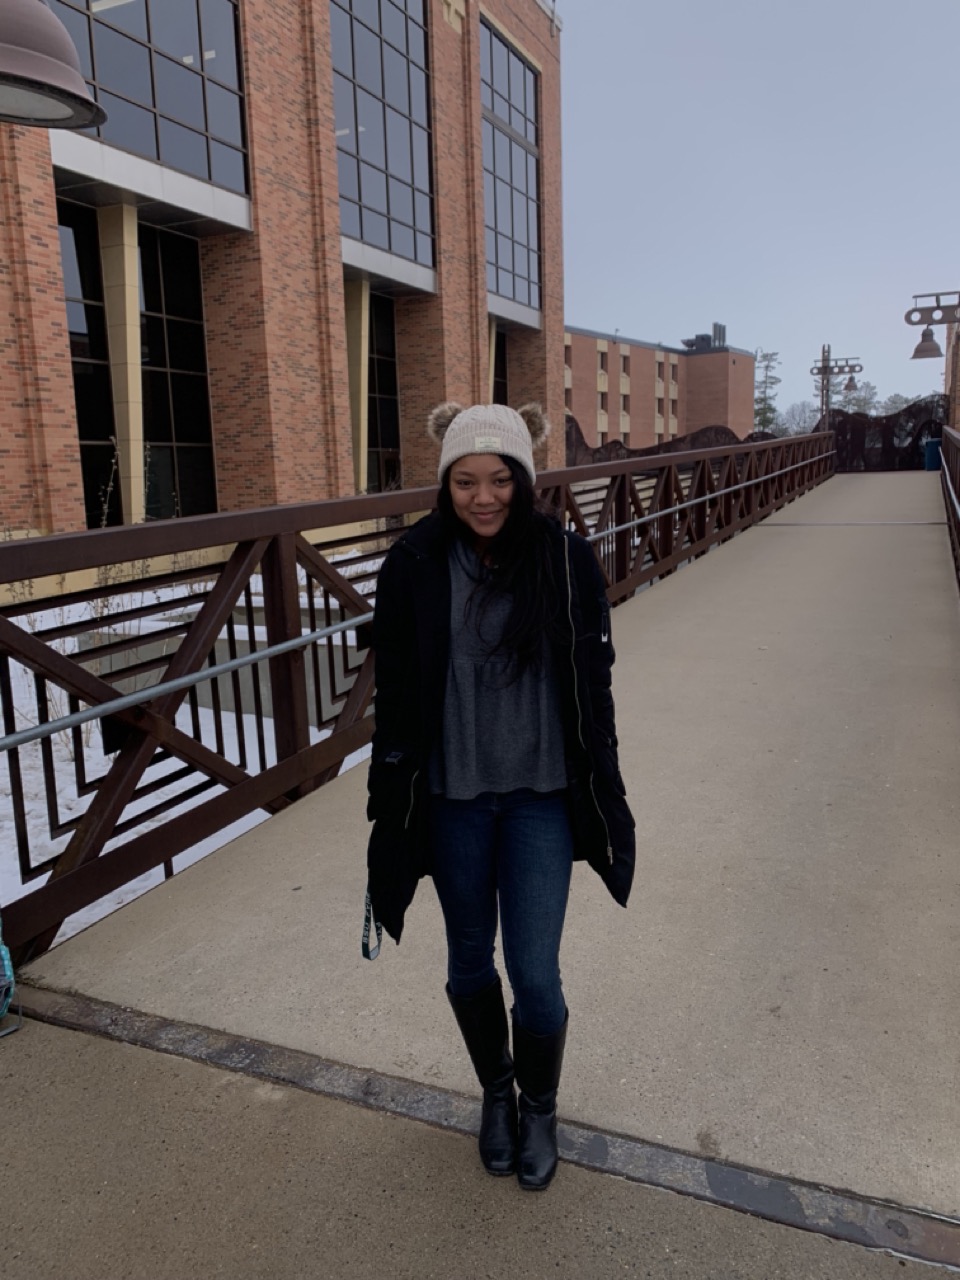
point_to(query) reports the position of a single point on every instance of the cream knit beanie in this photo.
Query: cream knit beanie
(487, 428)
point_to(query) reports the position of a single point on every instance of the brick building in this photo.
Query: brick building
(641, 393)
(304, 223)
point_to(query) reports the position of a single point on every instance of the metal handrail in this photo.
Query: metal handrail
(128, 700)
(705, 497)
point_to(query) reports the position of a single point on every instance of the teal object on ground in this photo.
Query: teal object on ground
(931, 455)
(7, 985)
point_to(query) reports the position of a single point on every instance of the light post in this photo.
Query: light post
(928, 348)
(40, 79)
(829, 368)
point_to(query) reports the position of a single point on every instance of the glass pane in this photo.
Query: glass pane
(153, 342)
(219, 23)
(161, 490)
(349, 179)
(224, 117)
(501, 153)
(491, 277)
(91, 387)
(491, 245)
(341, 41)
(517, 83)
(151, 299)
(396, 90)
(401, 240)
(531, 94)
(227, 168)
(182, 293)
(488, 145)
(79, 27)
(422, 212)
(531, 175)
(389, 415)
(504, 283)
(393, 25)
(101, 486)
(424, 249)
(80, 252)
(501, 67)
(418, 95)
(486, 54)
(519, 171)
(505, 253)
(366, 53)
(535, 297)
(375, 229)
(421, 158)
(415, 10)
(183, 149)
(533, 224)
(518, 120)
(130, 15)
(383, 338)
(191, 408)
(373, 188)
(179, 91)
(174, 29)
(519, 218)
(370, 129)
(156, 405)
(521, 290)
(398, 146)
(488, 199)
(196, 481)
(501, 107)
(72, 287)
(185, 346)
(401, 202)
(87, 327)
(368, 11)
(486, 95)
(128, 126)
(384, 369)
(416, 44)
(350, 219)
(122, 65)
(504, 208)
(521, 261)
(345, 114)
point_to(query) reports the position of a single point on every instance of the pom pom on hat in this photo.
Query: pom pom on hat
(487, 428)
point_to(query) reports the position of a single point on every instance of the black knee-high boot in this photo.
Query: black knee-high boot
(482, 1019)
(539, 1060)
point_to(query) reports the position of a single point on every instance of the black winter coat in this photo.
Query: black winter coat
(411, 640)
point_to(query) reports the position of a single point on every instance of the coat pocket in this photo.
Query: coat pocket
(390, 786)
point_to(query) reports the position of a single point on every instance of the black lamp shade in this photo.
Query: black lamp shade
(40, 79)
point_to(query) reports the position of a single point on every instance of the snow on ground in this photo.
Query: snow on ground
(42, 844)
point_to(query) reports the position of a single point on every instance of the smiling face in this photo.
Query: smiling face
(481, 488)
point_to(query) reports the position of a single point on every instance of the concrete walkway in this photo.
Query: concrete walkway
(781, 991)
(121, 1164)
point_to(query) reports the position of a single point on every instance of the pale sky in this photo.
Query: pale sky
(786, 167)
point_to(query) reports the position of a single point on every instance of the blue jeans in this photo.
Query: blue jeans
(515, 850)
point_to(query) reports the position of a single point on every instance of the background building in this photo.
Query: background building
(641, 393)
(302, 226)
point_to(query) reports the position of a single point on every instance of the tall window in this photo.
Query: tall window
(383, 404)
(500, 381)
(83, 285)
(508, 88)
(178, 445)
(381, 96)
(167, 72)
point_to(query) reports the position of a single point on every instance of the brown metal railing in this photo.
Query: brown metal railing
(253, 612)
(950, 476)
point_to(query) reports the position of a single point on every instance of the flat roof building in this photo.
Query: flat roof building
(301, 227)
(642, 393)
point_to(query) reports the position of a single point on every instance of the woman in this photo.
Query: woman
(494, 760)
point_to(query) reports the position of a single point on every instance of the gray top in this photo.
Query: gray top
(499, 733)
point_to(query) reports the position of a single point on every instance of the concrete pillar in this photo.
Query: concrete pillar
(357, 306)
(121, 295)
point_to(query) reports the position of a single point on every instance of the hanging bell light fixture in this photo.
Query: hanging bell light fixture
(40, 79)
(928, 348)
(850, 384)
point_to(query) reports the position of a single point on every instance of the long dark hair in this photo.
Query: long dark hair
(519, 564)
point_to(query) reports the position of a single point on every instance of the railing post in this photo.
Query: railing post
(288, 681)
(621, 515)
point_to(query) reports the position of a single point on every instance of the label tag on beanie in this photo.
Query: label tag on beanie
(491, 444)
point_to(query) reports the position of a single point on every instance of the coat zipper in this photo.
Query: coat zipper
(413, 783)
(576, 695)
